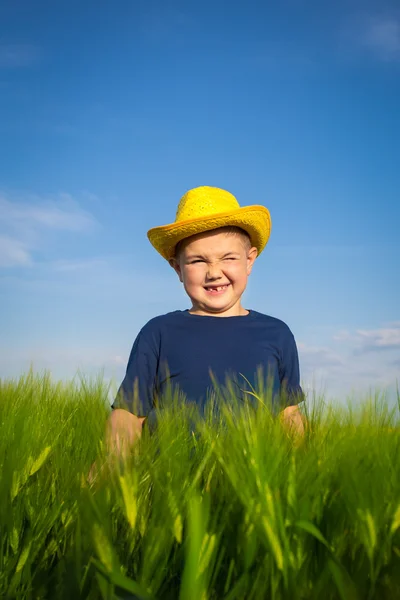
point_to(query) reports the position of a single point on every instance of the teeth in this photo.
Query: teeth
(218, 289)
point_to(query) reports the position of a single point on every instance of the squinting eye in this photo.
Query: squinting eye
(196, 261)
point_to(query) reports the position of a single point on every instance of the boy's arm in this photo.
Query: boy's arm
(292, 419)
(122, 431)
(134, 399)
(292, 393)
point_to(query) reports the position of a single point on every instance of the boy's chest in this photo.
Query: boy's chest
(239, 352)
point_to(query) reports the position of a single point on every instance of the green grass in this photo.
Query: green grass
(234, 509)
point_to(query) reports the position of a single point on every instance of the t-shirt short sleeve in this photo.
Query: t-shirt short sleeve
(291, 391)
(136, 392)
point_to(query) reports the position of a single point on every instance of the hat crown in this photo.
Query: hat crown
(204, 201)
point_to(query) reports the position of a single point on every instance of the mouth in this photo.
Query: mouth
(217, 290)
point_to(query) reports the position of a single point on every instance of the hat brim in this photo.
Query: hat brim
(255, 220)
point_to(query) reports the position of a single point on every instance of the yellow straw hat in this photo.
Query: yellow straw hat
(205, 208)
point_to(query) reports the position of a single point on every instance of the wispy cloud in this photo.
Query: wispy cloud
(382, 35)
(62, 213)
(25, 222)
(354, 360)
(369, 340)
(380, 339)
(14, 56)
(377, 34)
(13, 252)
(320, 355)
(73, 266)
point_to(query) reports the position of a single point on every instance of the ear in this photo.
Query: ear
(177, 268)
(251, 257)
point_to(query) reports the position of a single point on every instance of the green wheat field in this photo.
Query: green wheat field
(227, 507)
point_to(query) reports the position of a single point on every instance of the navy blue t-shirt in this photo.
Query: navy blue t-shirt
(179, 348)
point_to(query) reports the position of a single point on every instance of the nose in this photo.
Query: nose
(213, 272)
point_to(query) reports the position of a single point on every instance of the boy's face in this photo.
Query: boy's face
(214, 267)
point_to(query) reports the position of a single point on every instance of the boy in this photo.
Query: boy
(212, 246)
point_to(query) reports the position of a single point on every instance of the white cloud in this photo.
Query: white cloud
(357, 360)
(62, 213)
(119, 360)
(13, 253)
(64, 266)
(370, 340)
(320, 355)
(378, 339)
(13, 56)
(24, 224)
(382, 35)
(377, 34)
(341, 335)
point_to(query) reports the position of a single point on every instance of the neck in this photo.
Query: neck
(234, 311)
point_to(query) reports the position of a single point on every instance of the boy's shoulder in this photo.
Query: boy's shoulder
(270, 321)
(267, 318)
(158, 322)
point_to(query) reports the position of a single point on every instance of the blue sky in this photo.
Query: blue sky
(109, 112)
